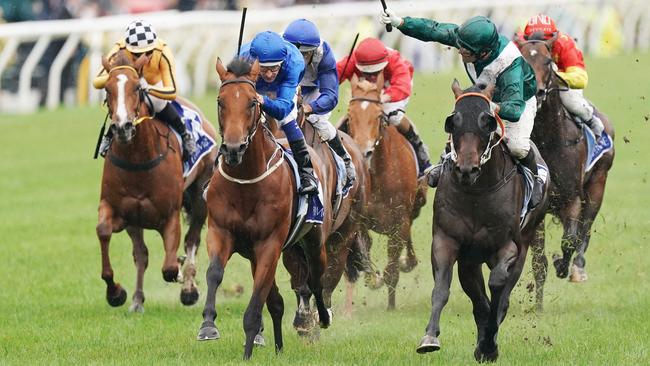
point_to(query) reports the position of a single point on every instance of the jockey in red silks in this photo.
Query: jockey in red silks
(369, 59)
(570, 67)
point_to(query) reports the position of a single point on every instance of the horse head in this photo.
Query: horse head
(366, 115)
(238, 111)
(123, 93)
(472, 126)
(537, 52)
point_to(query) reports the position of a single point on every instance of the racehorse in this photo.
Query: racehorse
(143, 185)
(396, 195)
(576, 195)
(251, 202)
(477, 210)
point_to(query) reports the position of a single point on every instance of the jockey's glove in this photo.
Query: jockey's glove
(494, 108)
(389, 17)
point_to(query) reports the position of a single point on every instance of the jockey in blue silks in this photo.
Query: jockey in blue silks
(319, 85)
(281, 68)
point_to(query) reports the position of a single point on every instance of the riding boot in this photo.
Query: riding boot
(538, 186)
(307, 178)
(171, 117)
(106, 143)
(421, 151)
(340, 150)
(596, 125)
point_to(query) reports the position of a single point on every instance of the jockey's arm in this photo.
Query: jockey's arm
(429, 30)
(400, 81)
(102, 77)
(510, 94)
(166, 68)
(346, 74)
(281, 106)
(571, 63)
(328, 87)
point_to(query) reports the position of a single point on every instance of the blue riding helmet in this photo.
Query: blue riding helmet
(303, 34)
(269, 48)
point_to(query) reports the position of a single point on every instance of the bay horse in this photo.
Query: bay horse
(477, 209)
(251, 203)
(396, 194)
(143, 186)
(576, 195)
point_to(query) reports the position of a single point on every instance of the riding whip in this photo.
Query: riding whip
(389, 27)
(350, 54)
(101, 135)
(241, 29)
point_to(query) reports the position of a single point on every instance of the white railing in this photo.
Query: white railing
(197, 38)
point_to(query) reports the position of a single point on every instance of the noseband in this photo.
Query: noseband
(382, 121)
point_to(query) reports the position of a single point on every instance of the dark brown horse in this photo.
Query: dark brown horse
(477, 220)
(251, 204)
(396, 195)
(143, 185)
(576, 195)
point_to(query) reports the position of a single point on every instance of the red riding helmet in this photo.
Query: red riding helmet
(371, 56)
(540, 23)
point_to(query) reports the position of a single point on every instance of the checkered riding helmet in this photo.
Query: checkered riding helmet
(140, 37)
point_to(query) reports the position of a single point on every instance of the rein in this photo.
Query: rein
(382, 122)
(488, 149)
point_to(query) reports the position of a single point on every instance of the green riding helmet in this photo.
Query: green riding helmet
(477, 34)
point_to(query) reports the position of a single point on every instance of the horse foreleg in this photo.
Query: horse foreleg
(220, 247)
(171, 234)
(539, 264)
(317, 262)
(295, 262)
(266, 262)
(197, 212)
(472, 282)
(594, 192)
(115, 294)
(444, 252)
(569, 216)
(275, 304)
(141, 259)
(396, 242)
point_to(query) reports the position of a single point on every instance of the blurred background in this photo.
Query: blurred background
(51, 49)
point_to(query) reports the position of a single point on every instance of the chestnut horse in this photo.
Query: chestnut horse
(477, 220)
(576, 195)
(251, 203)
(143, 185)
(396, 194)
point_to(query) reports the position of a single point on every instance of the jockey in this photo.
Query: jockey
(319, 86)
(570, 67)
(489, 58)
(281, 68)
(369, 59)
(158, 80)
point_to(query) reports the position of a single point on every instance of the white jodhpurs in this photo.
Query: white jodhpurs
(518, 133)
(575, 102)
(320, 122)
(395, 111)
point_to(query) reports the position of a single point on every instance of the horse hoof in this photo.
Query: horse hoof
(406, 264)
(259, 340)
(560, 268)
(170, 275)
(374, 281)
(208, 332)
(303, 322)
(578, 274)
(136, 308)
(117, 298)
(486, 356)
(189, 297)
(326, 324)
(428, 344)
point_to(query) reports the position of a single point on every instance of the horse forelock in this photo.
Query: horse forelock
(120, 58)
(239, 67)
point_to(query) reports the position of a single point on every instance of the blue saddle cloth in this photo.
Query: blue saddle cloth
(204, 143)
(595, 150)
(315, 209)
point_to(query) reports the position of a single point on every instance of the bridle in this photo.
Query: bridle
(255, 119)
(142, 94)
(383, 120)
(487, 153)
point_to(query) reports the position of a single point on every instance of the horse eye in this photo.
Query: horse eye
(252, 104)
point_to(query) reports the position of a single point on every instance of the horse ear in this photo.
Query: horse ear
(354, 80)
(380, 80)
(519, 41)
(551, 41)
(106, 64)
(488, 91)
(255, 70)
(221, 70)
(141, 61)
(455, 87)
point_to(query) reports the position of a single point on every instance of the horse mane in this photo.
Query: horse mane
(239, 66)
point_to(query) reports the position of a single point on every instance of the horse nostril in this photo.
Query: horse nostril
(540, 93)
(475, 170)
(242, 147)
(368, 154)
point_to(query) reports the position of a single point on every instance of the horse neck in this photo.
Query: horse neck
(551, 122)
(144, 143)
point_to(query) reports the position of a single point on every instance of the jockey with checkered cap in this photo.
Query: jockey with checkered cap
(281, 68)
(570, 67)
(489, 58)
(319, 85)
(158, 79)
(369, 59)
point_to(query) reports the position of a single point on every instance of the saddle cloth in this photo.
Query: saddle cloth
(595, 150)
(315, 210)
(204, 143)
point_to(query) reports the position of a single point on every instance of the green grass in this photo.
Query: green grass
(52, 307)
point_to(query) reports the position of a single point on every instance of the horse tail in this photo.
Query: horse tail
(358, 259)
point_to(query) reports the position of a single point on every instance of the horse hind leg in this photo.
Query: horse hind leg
(141, 259)
(570, 240)
(296, 264)
(115, 294)
(275, 305)
(409, 261)
(196, 210)
(539, 265)
(317, 262)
